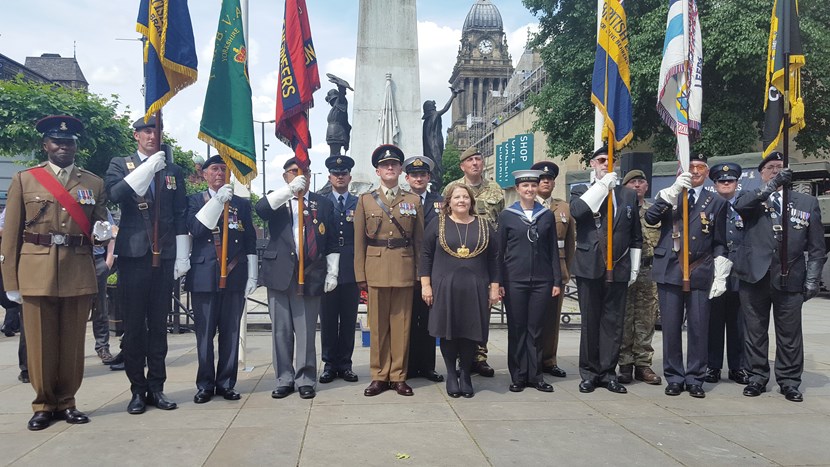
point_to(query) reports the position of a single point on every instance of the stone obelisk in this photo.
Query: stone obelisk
(387, 42)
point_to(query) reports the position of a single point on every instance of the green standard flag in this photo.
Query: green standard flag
(227, 118)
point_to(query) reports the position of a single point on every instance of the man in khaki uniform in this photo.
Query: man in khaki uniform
(565, 232)
(388, 226)
(489, 204)
(641, 307)
(46, 257)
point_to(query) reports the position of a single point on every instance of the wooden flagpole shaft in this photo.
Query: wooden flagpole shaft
(687, 285)
(157, 200)
(300, 240)
(223, 261)
(609, 255)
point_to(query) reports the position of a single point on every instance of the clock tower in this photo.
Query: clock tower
(482, 69)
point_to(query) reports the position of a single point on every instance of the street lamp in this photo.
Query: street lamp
(264, 148)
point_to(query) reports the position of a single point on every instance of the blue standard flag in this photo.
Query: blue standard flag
(611, 84)
(169, 51)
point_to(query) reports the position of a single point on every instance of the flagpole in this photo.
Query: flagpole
(784, 35)
(609, 255)
(687, 285)
(300, 239)
(223, 261)
(157, 201)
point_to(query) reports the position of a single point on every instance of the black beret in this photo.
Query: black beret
(700, 157)
(386, 152)
(548, 168)
(773, 156)
(600, 151)
(60, 126)
(215, 159)
(141, 124)
(339, 164)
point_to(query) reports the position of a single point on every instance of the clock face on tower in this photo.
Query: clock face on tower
(485, 47)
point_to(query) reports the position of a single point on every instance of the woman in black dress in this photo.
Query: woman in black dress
(531, 277)
(459, 278)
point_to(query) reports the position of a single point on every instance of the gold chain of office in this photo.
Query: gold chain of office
(481, 242)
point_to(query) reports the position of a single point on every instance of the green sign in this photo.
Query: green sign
(514, 154)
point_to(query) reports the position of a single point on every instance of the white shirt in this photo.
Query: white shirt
(293, 208)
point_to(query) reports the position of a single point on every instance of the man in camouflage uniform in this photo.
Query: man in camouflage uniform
(565, 232)
(641, 307)
(489, 203)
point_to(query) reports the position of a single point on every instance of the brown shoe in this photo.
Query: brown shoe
(375, 388)
(483, 369)
(105, 356)
(402, 388)
(647, 375)
(625, 374)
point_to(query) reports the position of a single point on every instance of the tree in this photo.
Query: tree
(106, 132)
(735, 38)
(449, 162)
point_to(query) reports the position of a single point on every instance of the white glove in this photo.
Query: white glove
(635, 254)
(102, 230)
(14, 295)
(298, 184)
(253, 274)
(670, 194)
(278, 197)
(140, 178)
(722, 269)
(332, 270)
(182, 264)
(599, 191)
(213, 209)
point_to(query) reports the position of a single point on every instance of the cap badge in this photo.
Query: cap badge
(546, 169)
(339, 161)
(417, 163)
(725, 168)
(63, 126)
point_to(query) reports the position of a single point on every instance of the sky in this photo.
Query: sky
(101, 34)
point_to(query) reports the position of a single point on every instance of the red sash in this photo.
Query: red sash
(76, 212)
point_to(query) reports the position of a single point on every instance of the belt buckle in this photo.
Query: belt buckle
(777, 228)
(58, 239)
(341, 241)
(143, 206)
(389, 243)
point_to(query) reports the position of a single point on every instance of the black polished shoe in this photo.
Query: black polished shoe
(7, 332)
(754, 389)
(433, 376)
(792, 394)
(616, 387)
(117, 366)
(306, 392)
(483, 369)
(137, 405)
(517, 387)
(327, 376)
(282, 391)
(160, 401)
(349, 376)
(23, 377)
(586, 386)
(72, 416)
(712, 375)
(202, 396)
(696, 391)
(228, 394)
(541, 386)
(555, 371)
(468, 395)
(40, 420)
(739, 376)
(674, 389)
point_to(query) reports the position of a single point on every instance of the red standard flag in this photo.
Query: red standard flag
(298, 81)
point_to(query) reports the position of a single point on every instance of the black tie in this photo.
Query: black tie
(691, 198)
(776, 203)
(341, 203)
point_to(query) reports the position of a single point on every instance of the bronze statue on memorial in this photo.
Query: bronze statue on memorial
(433, 137)
(339, 130)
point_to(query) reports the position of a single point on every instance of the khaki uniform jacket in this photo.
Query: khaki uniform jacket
(380, 266)
(489, 199)
(566, 233)
(49, 271)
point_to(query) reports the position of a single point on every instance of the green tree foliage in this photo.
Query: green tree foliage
(449, 162)
(735, 38)
(107, 133)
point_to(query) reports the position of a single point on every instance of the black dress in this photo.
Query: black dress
(460, 286)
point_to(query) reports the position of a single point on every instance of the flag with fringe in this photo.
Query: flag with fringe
(227, 119)
(680, 94)
(169, 51)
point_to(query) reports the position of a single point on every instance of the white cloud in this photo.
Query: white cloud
(517, 39)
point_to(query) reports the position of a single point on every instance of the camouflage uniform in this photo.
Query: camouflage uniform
(489, 204)
(641, 304)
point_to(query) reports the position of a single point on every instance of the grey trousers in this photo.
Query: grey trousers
(294, 319)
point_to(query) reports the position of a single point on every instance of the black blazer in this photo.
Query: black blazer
(432, 207)
(734, 238)
(591, 234)
(279, 260)
(134, 241)
(345, 230)
(523, 260)
(204, 264)
(706, 240)
(759, 252)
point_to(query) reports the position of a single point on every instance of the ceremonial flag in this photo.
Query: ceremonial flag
(227, 118)
(784, 37)
(611, 85)
(298, 80)
(169, 51)
(680, 94)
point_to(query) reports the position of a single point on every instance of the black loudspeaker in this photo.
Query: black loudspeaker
(637, 160)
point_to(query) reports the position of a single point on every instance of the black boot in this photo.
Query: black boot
(467, 349)
(449, 351)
